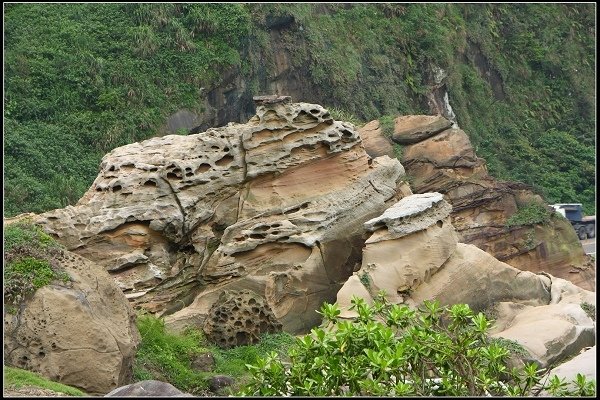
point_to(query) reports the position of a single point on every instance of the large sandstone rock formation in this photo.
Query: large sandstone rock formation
(440, 158)
(414, 255)
(81, 333)
(275, 206)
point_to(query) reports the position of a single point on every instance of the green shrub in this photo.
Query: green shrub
(531, 213)
(17, 378)
(26, 233)
(391, 350)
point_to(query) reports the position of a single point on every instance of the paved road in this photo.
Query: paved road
(589, 245)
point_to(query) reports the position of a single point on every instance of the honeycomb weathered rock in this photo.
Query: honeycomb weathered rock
(239, 318)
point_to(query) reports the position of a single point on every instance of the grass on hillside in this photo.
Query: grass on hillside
(17, 378)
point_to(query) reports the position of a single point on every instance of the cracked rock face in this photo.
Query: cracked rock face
(413, 255)
(80, 333)
(275, 206)
(442, 159)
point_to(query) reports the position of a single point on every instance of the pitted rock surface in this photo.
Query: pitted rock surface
(276, 205)
(81, 333)
(444, 161)
(239, 318)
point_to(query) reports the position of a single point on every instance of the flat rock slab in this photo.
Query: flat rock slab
(411, 129)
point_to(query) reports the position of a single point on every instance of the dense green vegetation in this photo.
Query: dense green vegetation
(28, 262)
(168, 357)
(15, 378)
(392, 350)
(81, 79)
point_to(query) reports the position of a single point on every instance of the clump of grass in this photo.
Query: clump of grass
(512, 346)
(168, 356)
(29, 262)
(530, 214)
(17, 378)
(589, 309)
(341, 115)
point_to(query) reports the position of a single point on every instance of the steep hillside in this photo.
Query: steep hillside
(82, 79)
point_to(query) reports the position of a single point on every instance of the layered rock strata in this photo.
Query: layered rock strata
(440, 158)
(414, 255)
(81, 333)
(275, 206)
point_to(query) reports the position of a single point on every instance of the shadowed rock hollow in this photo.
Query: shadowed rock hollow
(275, 206)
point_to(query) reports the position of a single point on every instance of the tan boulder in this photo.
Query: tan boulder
(550, 333)
(275, 206)
(584, 363)
(410, 129)
(376, 144)
(81, 333)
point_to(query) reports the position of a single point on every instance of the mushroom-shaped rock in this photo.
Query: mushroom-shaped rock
(411, 240)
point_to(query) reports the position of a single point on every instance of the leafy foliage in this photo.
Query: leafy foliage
(391, 350)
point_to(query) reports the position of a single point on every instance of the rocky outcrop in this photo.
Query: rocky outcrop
(413, 255)
(81, 333)
(275, 206)
(440, 158)
(149, 388)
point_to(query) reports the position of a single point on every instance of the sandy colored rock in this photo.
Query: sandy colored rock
(376, 144)
(550, 333)
(410, 129)
(412, 239)
(446, 162)
(80, 333)
(584, 363)
(276, 206)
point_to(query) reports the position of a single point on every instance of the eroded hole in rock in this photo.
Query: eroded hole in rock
(150, 183)
(346, 133)
(116, 188)
(440, 223)
(257, 236)
(226, 149)
(202, 168)
(314, 111)
(225, 161)
(215, 147)
(112, 168)
(173, 175)
(127, 167)
(304, 118)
